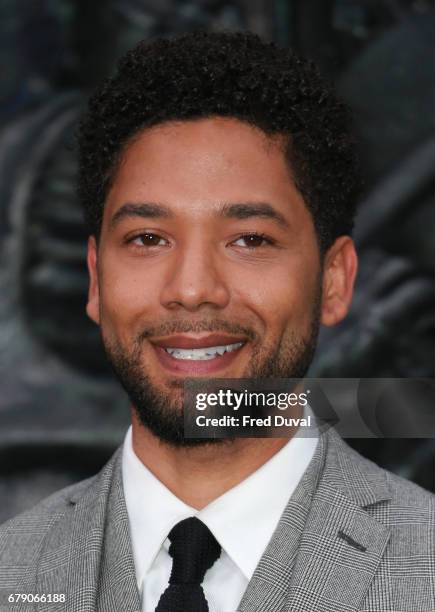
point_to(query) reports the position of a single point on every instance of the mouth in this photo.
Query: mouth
(192, 355)
(203, 354)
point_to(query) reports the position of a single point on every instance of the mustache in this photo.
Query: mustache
(210, 325)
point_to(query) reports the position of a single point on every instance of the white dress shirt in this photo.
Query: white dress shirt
(242, 520)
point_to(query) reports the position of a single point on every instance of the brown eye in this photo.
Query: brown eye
(148, 239)
(253, 241)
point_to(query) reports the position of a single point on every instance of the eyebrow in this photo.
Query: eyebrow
(245, 210)
(144, 210)
(254, 209)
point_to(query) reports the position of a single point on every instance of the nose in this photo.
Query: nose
(195, 278)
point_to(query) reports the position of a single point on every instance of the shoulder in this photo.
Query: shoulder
(23, 537)
(402, 498)
(405, 492)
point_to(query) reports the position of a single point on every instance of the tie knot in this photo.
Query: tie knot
(193, 549)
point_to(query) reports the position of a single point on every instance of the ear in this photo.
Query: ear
(340, 269)
(93, 305)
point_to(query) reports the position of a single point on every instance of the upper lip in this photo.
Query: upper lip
(192, 342)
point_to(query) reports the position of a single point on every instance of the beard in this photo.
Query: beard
(161, 410)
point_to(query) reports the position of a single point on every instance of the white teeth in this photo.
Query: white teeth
(202, 354)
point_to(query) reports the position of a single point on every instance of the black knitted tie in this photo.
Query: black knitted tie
(193, 549)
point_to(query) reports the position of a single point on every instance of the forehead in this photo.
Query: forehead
(200, 164)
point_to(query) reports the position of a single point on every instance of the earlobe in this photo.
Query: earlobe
(339, 275)
(93, 304)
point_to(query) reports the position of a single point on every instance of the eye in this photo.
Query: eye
(147, 239)
(254, 241)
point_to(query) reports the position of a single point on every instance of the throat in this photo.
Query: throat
(199, 475)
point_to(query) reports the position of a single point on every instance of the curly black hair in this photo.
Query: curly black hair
(235, 75)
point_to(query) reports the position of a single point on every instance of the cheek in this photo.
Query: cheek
(126, 298)
(281, 297)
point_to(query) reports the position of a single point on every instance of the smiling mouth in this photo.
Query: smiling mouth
(192, 355)
(203, 354)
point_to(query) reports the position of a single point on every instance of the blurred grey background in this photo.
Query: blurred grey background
(61, 412)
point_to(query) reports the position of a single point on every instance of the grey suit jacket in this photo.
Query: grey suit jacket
(352, 537)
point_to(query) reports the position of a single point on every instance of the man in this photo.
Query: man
(218, 180)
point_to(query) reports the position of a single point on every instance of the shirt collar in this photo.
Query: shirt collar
(152, 508)
(242, 520)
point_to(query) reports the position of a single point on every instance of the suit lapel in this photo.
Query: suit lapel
(87, 554)
(117, 588)
(326, 548)
(268, 588)
(340, 551)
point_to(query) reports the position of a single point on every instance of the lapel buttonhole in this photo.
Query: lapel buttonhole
(351, 541)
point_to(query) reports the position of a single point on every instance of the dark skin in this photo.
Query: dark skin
(189, 259)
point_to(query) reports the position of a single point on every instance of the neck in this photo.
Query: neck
(198, 475)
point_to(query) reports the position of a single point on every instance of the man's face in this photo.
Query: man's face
(205, 242)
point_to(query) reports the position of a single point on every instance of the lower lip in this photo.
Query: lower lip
(191, 366)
